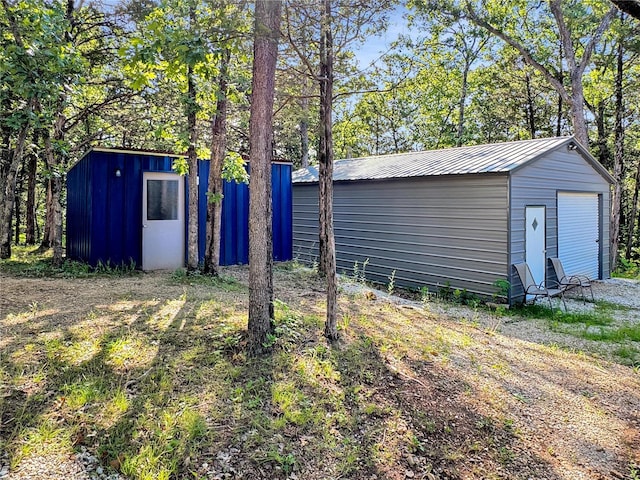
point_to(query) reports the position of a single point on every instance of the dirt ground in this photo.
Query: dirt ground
(544, 407)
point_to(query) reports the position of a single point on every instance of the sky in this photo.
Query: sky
(374, 47)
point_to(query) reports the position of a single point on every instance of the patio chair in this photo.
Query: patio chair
(571, 281)
(537, 290)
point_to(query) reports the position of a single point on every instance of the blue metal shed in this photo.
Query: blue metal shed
(109, 196)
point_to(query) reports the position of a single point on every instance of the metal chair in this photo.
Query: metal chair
(537, 290)
(571, 281)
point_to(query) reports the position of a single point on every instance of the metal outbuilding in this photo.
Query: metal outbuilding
(461, 217)
(130, 207)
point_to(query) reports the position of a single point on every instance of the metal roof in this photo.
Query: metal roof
(476, 159)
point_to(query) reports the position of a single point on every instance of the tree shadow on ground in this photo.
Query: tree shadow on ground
(165, 390)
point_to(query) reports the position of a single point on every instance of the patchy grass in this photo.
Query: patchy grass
(29, 262)
(600, 316)
(150, 374)
(597, 325)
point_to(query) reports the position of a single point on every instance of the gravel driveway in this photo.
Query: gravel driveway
(618, 290)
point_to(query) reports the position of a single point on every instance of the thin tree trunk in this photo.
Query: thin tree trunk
(16, 207)
(531, 115)
(218, 150)
(560, 81)
(603, 150)
(192, 159)
(265, 53)
(10, 161)
(463, 100)
(559, 122)
(616, 200)
(633, 215)
(47, 235)
(304, 127)
(56, 165)
(304, 143)
(326, 171)
(30, 220)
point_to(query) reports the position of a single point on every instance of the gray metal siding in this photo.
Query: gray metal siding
(429, 230)
(538, 183)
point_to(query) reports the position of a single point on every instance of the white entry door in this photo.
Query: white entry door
(579, 233)
(162, 221)
(535, 242)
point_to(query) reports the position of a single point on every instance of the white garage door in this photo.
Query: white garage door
(579, 233)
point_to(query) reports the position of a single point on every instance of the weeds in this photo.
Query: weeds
(360, 271)
(392, 283)
(629, 268)
(28, 262)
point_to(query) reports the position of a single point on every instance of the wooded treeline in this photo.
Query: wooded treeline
(176, 75)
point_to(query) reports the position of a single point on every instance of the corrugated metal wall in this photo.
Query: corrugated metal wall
(104, 212)
(538, 183)
(429, 230)
(79, 200)
(234, 249)
(104, 220)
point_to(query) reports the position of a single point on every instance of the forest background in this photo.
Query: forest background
(173, 75)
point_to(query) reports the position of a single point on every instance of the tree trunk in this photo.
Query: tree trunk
(633, 215)
(560, 101)
(580, 130)
(218, 150)
(603, 149)
(304, 127)
(56, 166)
(265, 52)
(192, 159)
(531, 111)
(16, 207)
(30, 220)
(616, 199)
(559, 122)
(9, 163)
(47, 235)
(463, 100)
(304, 142)
(328, 255)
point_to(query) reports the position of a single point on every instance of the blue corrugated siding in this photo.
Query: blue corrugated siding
(78, 208)
(104, 216)
(235, 224)
(282, 212)
(104, 212)
(234, 236)
(203, 172)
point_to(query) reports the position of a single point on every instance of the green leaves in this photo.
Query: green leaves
(234, 168)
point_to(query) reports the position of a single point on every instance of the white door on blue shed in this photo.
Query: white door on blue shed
(535, 241)
(163, 228)
(579, 233)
